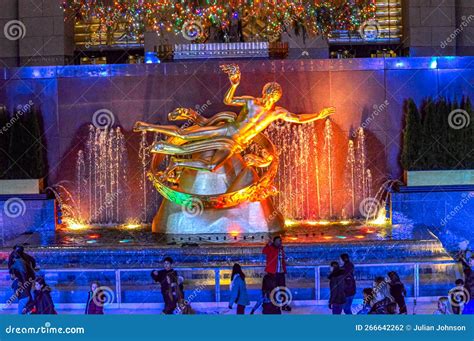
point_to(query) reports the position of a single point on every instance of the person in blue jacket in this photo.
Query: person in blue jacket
(238, 290)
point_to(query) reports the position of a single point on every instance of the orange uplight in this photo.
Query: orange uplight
(94, 236)
(359, 237)
(234, 233)
(293, 238)
(75, 225)
(132, 226)
(327, 237)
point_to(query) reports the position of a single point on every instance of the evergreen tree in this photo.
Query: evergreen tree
(4, 140)
(26, 147)
(17, 145)
(427, 113)
(412, 141)
(470, 136)
(38, 152)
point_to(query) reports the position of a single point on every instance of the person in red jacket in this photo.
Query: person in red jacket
(276, 263)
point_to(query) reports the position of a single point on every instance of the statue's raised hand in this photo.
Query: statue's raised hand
(233, 71)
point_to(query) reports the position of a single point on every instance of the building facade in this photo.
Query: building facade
(39, 32)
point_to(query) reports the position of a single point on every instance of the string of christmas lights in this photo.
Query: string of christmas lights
(316, 17)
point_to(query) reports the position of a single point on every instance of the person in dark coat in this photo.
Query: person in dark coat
(20, 251)
(276, 263)
(337, 297)
(42, 303)
(269, 308)
(469, 287)
(397, 291)
(22, 267)
(349, 283)
(392, 308)
(456, 306)
(168, 279)
(95, 300)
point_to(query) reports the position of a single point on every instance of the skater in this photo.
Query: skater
(349, 283)
(22, 265)
(276, 263)
(168, 279)
(392, 308)
(382, 297)
(368, 301)
(42, 303)
(469, 287)
(19, 250)
(268, 286)
(238, 290)
(456, 306)
(337, 297)
(95, 300)
(21, 292)
(443, 307)
(397, 291)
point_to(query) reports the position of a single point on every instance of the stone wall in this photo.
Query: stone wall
(439, 27)
(8, 47)
(69, 96)
(431, 28)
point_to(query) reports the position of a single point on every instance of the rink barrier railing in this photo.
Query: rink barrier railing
(217, 282)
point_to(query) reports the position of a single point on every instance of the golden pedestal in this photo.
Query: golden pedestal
(247, 217)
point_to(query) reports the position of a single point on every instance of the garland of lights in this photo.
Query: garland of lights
(318, 17)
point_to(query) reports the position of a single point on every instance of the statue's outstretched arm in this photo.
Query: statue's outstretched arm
(304, 118)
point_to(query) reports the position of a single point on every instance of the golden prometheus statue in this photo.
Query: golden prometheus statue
(221, 170)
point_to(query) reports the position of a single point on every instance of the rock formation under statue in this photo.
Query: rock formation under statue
(219, 178)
